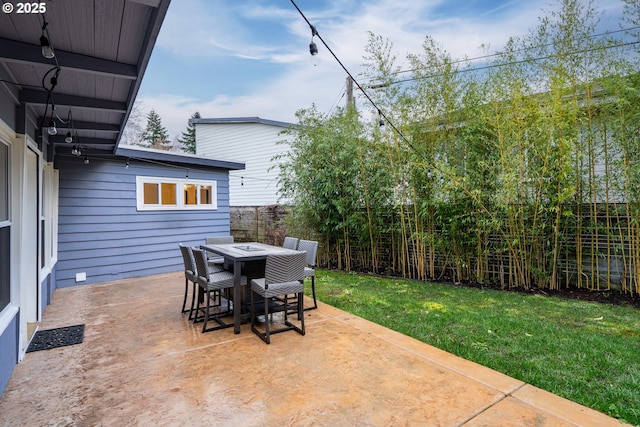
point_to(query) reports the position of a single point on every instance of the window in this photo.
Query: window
(198, 194)
(160, 193)
(43, 222)
(4, 182)
(5, 267)
(5, 229)
(174, 194)
(190, 194)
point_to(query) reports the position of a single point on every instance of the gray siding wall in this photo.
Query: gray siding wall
(102, 234)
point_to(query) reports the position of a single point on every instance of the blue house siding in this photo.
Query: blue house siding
(48, 286)
(9, 341)
(101, 232)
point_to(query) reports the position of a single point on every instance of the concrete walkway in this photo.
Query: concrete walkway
(143, 363)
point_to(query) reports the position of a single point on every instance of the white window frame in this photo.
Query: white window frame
(180, 202)
(8, 312)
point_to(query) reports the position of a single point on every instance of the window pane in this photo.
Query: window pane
(151, 194)
(205, 195)
(5, 266)
(169, 195)
(190, 194)
(4, 182)
(42, 242)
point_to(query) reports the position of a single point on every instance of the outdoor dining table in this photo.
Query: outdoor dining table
(239, 255)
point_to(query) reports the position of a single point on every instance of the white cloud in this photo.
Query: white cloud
(279, 100)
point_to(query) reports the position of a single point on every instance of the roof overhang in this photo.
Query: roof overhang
(236, 120)
(102, 49)
(165, 157)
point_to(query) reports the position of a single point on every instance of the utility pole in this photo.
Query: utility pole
(350, 101)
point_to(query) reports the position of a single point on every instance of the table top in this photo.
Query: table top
(246, 251)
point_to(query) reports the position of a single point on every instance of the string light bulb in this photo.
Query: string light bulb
(313, 47)
(47, 50)
(69, 139)
(45, 46)
(86, 160)
(52, 128)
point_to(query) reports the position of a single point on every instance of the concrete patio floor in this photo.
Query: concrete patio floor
(143, 363)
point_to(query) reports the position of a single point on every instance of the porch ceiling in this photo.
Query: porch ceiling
(102, 48)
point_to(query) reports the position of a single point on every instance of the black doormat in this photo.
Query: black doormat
(58, 337)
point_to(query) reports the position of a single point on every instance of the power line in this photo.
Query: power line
(341, 95)
(524, 49)
(485, 67)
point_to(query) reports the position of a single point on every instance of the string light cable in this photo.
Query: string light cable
(315, 33)
(49, 52)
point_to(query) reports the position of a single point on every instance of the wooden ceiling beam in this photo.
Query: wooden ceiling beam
(32, 96)
(17, 51)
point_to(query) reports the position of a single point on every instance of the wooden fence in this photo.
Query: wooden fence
(607, 258)
(265, 224)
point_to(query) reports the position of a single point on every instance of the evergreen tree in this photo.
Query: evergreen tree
(155, 135)
(188, 138)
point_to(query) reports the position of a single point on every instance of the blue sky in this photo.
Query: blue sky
(232, 58)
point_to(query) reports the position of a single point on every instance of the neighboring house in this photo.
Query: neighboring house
(87, 211)
(254, 141)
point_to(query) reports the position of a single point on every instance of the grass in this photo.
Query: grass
(584, 351)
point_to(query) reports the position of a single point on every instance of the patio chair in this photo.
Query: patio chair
(282, 276)
(290, 243)
(311, 248)
(190, 274)
(216, 240)
(213, 283)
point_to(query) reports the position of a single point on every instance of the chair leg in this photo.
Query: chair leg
(252, 310)
(286, 308)
(264, 336)
(195, 318)
(300, 305)
(267, 320)
(200, 299)
(218, 317)
(313, 292)
(193, 301)
(206, 313)
(186, 291)
(301, 310)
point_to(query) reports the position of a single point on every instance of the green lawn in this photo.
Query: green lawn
(584, 351)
